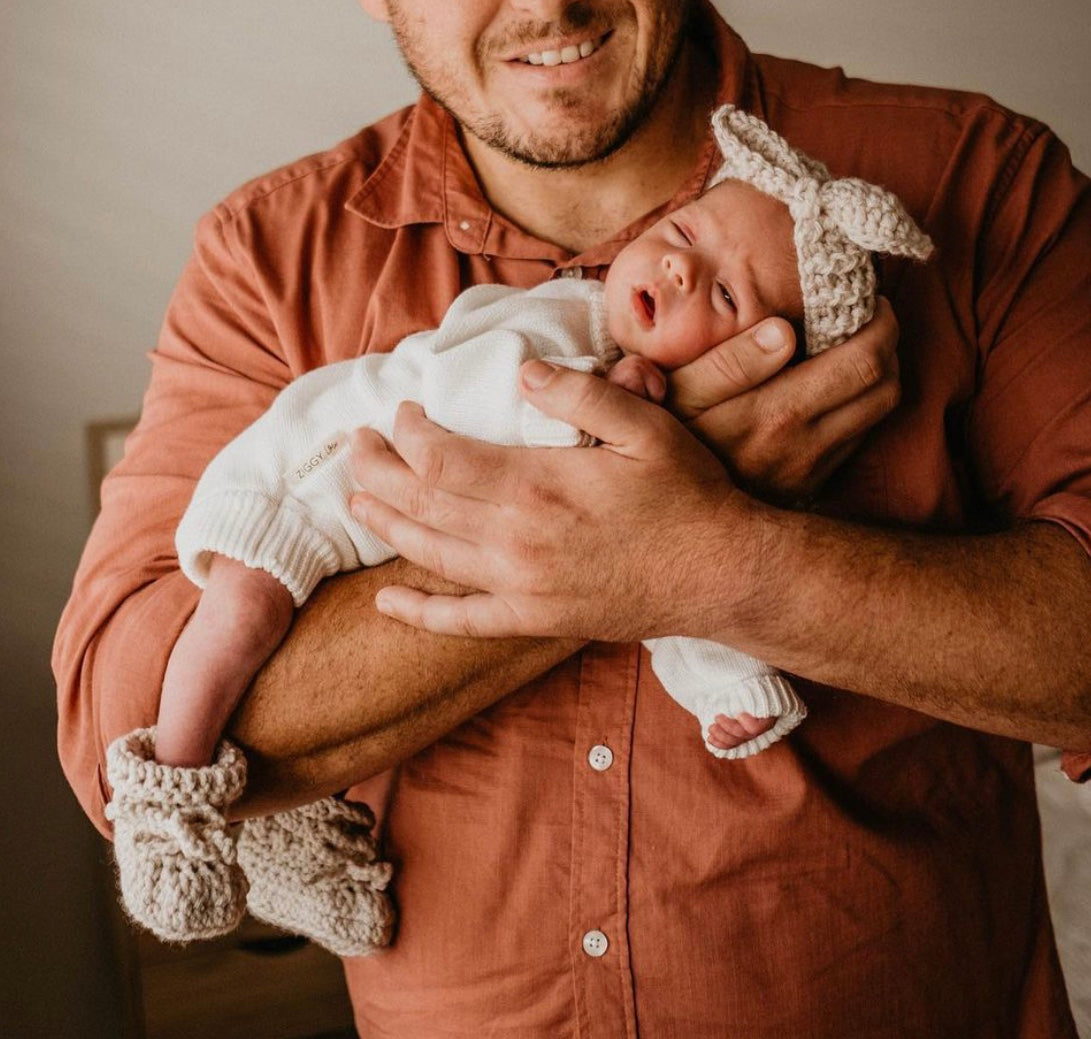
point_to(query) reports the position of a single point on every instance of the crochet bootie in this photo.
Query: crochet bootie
(176, 860)
(315, 870)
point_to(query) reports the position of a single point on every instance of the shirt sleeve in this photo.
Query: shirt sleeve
(216, 368)
(1029, 428)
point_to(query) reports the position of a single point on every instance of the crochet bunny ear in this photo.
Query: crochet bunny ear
(754, 153)
(837, 223)
(874, 218)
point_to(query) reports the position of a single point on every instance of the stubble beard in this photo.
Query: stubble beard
(564, 150)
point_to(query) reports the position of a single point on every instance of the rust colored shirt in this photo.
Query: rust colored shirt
(878, 874)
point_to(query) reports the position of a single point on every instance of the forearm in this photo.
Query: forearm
(985, 631)
(351, 693)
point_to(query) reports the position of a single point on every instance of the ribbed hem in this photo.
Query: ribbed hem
(251, 528)
(764, 696)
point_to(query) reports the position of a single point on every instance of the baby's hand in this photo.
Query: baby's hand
(728, 733)
(640, 377)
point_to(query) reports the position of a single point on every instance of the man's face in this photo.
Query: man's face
(703, 274)
(547, 82)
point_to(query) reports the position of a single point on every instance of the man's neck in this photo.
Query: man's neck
(579, 207)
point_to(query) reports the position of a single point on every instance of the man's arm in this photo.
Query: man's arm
(351, 693)
(984, 631)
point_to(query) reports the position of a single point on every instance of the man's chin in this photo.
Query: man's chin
(564, 146)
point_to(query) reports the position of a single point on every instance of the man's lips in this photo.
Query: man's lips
(565, 51)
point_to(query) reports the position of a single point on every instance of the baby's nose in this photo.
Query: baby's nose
(679, 270)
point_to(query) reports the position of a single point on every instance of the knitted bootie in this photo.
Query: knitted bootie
(176, 860)
(315, 870)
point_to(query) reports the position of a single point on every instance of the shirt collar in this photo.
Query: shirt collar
(427, 179)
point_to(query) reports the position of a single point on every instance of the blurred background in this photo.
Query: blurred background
(123, 122)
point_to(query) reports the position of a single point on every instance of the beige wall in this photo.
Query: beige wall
(124, 121)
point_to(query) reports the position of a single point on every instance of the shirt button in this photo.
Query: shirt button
(595, 944)
(572, 272)
(464, 225)
(600, 758)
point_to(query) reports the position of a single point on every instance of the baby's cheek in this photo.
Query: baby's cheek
(674, 351)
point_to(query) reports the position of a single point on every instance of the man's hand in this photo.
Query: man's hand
(781, 437)
(594, 543)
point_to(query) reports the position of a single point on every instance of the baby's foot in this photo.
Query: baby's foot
(177, 867)
(315, 870)
(727, 733)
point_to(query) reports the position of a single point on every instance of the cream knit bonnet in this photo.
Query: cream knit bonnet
(838, 224)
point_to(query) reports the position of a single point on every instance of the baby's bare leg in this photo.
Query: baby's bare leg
(242, 616)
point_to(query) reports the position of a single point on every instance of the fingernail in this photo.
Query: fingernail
(382, 602)
(536, 374)
(769, 337)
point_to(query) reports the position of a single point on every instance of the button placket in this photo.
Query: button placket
(605, 1000)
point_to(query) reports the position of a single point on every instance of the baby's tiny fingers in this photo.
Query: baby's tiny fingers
(731, 727)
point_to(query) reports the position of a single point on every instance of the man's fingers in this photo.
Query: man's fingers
(862, 364)
(590, 403)
(476, 615)
(441, 553)
(385, 476)
(436, 456)
(731, 369)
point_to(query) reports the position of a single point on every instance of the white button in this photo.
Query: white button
(464, 225)
(600, 758)
(572, 272)
(595, 944)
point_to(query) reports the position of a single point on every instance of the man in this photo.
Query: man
(565, 864)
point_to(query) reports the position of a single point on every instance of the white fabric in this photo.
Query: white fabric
(276, 497)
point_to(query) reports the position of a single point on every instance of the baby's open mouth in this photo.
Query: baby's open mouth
(647, 303)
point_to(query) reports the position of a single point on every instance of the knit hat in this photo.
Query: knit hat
(838, 223)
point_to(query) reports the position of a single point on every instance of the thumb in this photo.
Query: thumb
(608, 412)
(731, 369)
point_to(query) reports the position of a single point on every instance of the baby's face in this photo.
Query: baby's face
(707, 271)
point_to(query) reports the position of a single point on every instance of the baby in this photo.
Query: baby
(774, 235)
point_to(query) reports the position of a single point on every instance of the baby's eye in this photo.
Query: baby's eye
(681, 232)
(727, 297)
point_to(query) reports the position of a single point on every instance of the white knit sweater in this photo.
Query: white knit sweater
(276, 497)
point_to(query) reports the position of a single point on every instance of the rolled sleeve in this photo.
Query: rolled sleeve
(1030, 428)
(215, 370)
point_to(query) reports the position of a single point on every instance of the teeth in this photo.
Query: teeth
(565, 56)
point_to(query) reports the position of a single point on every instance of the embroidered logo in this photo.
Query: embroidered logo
(318, 457)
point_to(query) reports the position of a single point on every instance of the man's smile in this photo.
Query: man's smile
(562, 54)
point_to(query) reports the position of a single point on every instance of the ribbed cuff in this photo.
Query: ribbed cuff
(251, 528)
(764, 696)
